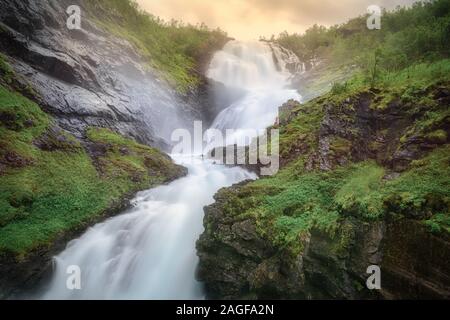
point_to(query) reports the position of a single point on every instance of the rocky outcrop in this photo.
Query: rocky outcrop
(83, 79)
(88, 77)
(361, 127)
(238, 263)
(412, 261)
(239, 257)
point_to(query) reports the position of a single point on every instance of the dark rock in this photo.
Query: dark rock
(237, 263)
(88, 77)
(9, 120)
(124, 151)
(29, 123)
(56, 139)
(240, 265)
(14, 160)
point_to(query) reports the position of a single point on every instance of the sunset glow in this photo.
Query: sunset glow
(249, 19)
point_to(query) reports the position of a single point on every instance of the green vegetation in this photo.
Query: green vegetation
(174, 48)
(407, 35)
(410, 80)
(299, 132)
(6, 72)
(439, 223)
(49, 185)
(288, 205)
(410, 40)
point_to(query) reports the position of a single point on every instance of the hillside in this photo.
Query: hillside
(420, 34)
(364, 181)
(76, 126)
(179, 51)
(54, 185)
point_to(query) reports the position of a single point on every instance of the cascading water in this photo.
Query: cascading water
(250, 67)
(149, 252)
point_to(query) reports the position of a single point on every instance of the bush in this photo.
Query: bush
(408, 36)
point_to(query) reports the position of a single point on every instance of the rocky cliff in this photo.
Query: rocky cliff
(89, 77)
(364, 181)
(79, 110)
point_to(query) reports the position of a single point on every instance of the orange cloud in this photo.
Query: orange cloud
(249, 19)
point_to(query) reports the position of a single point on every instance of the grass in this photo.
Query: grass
(298, 133)
(358, 194)
(424, 190)
(410, 35)
(288, 205)
(417, 75)
(47, 193)
(413, 85)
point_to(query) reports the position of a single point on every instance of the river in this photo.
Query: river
(149, 251)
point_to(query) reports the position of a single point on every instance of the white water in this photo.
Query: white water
(250, 66)
(149, 252)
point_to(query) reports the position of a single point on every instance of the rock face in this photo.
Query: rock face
(243, 265)
(88, 77)
(238, 258)
(84, 78)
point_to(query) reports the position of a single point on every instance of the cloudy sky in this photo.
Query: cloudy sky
(248, 19)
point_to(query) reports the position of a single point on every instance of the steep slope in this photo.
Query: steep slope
(90, 77)
(364, 181)
(74, 107)
(53, 186)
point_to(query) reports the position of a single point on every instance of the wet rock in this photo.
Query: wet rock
(87, 77)
(124, 151)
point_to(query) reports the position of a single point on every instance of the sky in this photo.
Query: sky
(249, 19)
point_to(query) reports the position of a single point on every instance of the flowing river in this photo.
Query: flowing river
(149, 251)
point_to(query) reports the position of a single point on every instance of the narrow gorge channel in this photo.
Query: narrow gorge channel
(149, 251)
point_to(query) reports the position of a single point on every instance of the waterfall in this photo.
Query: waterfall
(149, 251)
(261, 72)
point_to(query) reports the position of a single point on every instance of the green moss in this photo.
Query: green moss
(287, 206)
(424, 189)
(360, 193)
(340, 145)
(47, 192)
(438, 136)
(130, 162)
(6, 72)
(439, 223)
(21, 121)
(299, 134)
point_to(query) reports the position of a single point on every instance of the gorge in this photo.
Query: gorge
(88, 178)
(150, 253)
